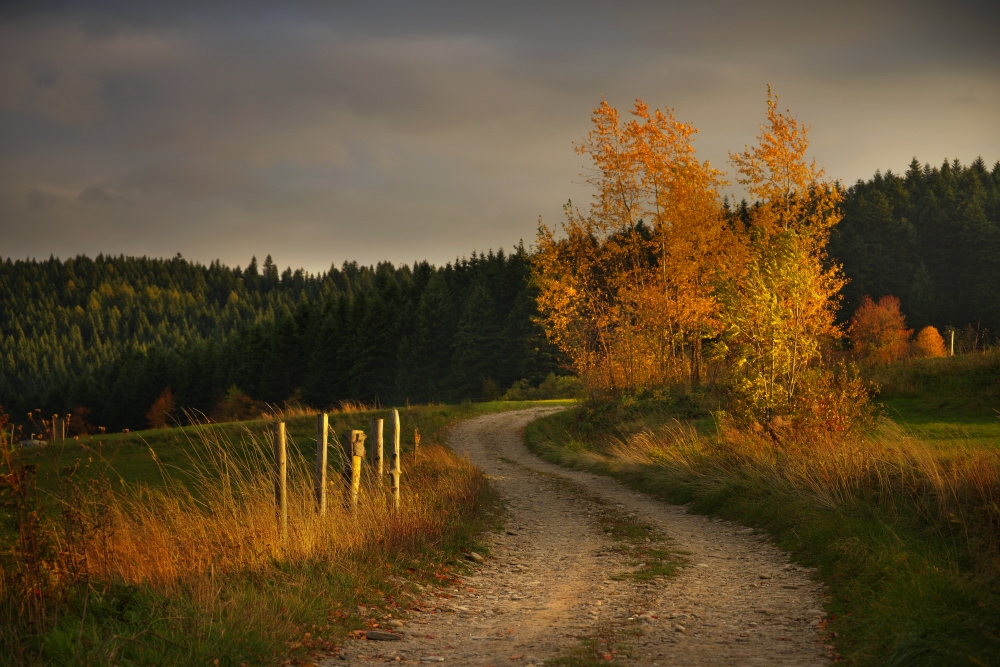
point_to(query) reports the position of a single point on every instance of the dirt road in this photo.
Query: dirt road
(556, 584)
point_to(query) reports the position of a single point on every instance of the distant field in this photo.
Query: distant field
(949, 403)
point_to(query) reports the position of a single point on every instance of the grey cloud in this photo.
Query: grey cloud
(407, 130)
(101, 194)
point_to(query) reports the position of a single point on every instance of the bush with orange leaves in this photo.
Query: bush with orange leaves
(878, 330)
(929, 343)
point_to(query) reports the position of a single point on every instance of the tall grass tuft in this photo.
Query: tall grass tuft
(953, 489)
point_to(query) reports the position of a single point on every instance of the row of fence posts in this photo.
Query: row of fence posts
(353, 443)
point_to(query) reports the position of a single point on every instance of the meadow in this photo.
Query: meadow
(162, 547)
(902, 521)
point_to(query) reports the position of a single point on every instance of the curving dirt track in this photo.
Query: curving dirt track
(553, 580)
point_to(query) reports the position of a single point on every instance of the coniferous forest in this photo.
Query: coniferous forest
(930, 237)
(108, 335)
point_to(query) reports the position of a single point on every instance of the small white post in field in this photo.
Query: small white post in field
(281, 478)
(952, 343)
(397, 459)
(322, 431)
(377, 448)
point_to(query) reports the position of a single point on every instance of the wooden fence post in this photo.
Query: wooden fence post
(377, 448)
(281, 478)
(354, 442)
(416, 442)
(952, 343)
(396, 459)
(322, 429)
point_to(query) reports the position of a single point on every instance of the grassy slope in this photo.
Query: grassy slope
(265, 617)
(901, 592)
(127, 456)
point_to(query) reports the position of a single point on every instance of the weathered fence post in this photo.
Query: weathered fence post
(281, 478)
(416, 442)
(377, 448)
(396, 459)
(322, 429)
(952, 343)
(354, 442)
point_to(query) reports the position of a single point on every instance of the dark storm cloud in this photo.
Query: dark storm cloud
(320, 132)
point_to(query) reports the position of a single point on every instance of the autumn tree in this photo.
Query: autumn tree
(160, 413)
(628, 293)
(929, 343)
(878, 330)
(782, 304)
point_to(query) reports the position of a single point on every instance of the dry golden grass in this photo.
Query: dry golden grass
(958, 486)
(224, 518)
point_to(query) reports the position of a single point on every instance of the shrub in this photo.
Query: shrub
(929, 343)
(878, 330)
(553, 386)
(237, 406)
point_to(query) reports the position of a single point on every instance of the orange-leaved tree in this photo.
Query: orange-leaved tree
(628, 293)
(929, 343)
(162, 410)
(782, 304)
(878, 330)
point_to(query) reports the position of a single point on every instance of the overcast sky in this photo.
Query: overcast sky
(331, 131)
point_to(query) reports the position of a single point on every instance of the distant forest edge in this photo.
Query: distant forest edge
(109, 335)
(930, 237)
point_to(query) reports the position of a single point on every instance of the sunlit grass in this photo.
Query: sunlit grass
(163, 546)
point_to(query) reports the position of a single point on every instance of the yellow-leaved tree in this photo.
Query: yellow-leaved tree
(782, 304)
(628, 294)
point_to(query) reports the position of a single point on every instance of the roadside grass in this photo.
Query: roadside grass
(905, 535)
(176, 559)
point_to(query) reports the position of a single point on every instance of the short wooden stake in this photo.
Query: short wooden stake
(377, 448)
(416, 442)
(322, 430)
(952, 343)
(281, 478)
(397, 469)
(354, 442)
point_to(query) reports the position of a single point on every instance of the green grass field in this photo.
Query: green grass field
(949, 403)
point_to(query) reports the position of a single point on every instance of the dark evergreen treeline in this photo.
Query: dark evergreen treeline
(930, 237)
(111, 333)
